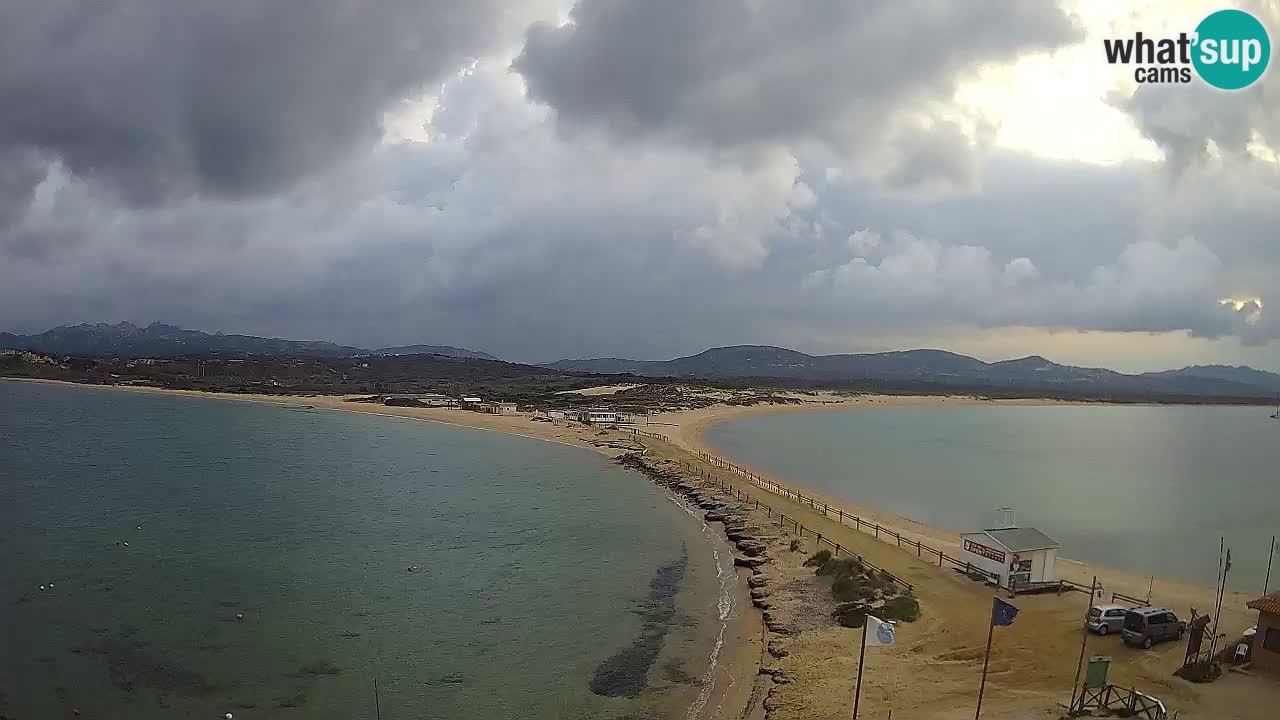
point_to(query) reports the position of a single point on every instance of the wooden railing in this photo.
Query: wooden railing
(851, 520)
(1135, 601)
(837, 549)
(1127, 702)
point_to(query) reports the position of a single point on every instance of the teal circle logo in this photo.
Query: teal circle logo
(1232, 49)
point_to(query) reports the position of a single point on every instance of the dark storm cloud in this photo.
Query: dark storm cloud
(506, 233)
(155, 98)
(737, 72)
(21, 169)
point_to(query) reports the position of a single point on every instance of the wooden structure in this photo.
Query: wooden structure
(1266, 642)
(1126, 702)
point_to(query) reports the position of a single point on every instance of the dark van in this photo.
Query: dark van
(1147, 626)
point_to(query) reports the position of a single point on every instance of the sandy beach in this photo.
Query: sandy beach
(933, 671)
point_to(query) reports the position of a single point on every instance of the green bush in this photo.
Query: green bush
(818, 559)
(903, 607)
(851, 615)
(838, 568)
(852, 588)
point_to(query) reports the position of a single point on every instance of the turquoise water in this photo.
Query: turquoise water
(549, 582)
(1144, 489)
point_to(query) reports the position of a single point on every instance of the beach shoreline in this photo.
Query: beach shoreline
(942, 641)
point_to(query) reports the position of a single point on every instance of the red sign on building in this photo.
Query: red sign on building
(984, 551)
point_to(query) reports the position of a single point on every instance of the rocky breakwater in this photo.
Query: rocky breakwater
(756, 539)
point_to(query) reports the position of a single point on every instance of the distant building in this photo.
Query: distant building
(495, 408)
(599, 416)
(1266, 642)
(428, 399)
(1019, 557)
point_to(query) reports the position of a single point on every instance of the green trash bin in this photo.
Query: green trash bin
(1096, 676)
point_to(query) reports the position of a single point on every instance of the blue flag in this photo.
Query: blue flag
(1002, 613)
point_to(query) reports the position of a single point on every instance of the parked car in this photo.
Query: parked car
(1148, 626)
(1106, 619)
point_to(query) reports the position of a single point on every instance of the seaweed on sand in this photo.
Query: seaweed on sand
(625, 674)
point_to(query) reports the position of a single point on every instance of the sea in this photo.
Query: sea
(170, 557)
(1151, 490)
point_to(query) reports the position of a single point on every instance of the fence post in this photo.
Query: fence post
(877, 530)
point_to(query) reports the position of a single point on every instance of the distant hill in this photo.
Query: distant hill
(160, 340)
(446, 350)
(939, 370)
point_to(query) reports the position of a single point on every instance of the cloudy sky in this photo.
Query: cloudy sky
(639, 178)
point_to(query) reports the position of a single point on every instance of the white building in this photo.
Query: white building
(600, 416)
(1024, 556)
(429, 399)
(493, 408)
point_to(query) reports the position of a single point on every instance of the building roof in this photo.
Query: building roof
(1269, 604)
(1023, 539)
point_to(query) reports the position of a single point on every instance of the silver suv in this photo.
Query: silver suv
(1105, 619)
(1147, 626)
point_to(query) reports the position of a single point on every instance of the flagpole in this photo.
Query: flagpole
(1266, 584)
(991, 628)
(857, 692)
(1222, 591)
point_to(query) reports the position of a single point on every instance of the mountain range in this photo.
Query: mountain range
(159, 340)
(904, 371)
(937, 369)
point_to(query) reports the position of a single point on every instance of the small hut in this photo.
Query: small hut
(1021, 558)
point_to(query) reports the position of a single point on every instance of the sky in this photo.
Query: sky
(639, 178)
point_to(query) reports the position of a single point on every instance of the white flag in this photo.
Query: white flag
(879, 632)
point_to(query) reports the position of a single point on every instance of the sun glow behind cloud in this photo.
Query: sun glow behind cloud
(1060, 105)
(1251, 307)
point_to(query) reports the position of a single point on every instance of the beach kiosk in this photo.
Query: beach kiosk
(1020, 558)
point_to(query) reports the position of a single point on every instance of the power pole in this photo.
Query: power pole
(1084, 640)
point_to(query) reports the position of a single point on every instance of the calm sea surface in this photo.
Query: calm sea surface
(548, 582)
(1144, 489)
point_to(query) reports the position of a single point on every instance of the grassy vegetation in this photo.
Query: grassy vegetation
(818, 559)
(861, 590)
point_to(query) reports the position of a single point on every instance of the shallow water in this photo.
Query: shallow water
(538, 567)
(1143, 489)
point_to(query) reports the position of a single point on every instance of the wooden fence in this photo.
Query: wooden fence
(783, 521)
(833, 513)
(1135, 601)
(1127, 702)
(852, 520)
